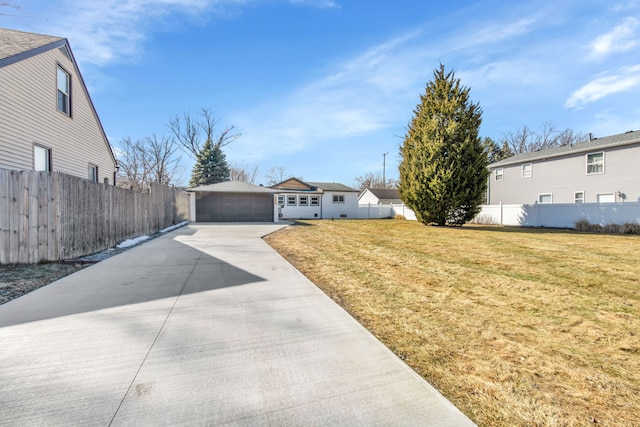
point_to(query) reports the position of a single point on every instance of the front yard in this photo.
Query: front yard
(514, 326)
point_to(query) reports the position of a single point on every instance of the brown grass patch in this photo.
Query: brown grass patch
(515, 326)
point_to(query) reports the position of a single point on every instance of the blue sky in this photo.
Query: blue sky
(325, 87)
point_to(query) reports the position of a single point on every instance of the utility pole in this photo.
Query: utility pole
(384, 170)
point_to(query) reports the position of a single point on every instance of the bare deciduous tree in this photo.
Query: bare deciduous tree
(525, 140)
(371, 180)
(275, 175)
(242, 172)
(191, 133)
(147, 161)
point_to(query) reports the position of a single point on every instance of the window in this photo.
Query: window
(64, 92)
(291, 200)
(280, 200)
(338, 198)
(545, 198)
(93, 173)
(595, 163)
(499, 174)
(527, 170)
(606, 198)
(304, 201)
(41, 158)
(578, 197)
(315, 201)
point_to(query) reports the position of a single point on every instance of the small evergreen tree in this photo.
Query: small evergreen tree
(443, 171)
(211, 166)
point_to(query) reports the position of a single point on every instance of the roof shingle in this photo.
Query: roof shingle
(14, 42)
(627, 138)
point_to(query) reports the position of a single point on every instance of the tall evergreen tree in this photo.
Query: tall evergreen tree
(443, 172)
(211, 166)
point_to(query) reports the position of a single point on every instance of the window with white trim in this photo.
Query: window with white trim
(338, 198)
(64, 91)
(595, 163)
(93, 172)
(280, 200)
(527, 170)
(545, 198)
(303, 200)
(578, 197)
(41, 158)
(315, 200)
(499, 174)
(606, 198)
(291, 200)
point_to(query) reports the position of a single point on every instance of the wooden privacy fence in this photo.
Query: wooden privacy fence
(49, 216)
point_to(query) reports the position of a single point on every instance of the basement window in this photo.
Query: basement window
(545, 198)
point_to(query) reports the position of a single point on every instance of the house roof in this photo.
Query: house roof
(232, 187)
(17, 46)
(385, 193)
(296, 184)
(627, 138)
(332, 186)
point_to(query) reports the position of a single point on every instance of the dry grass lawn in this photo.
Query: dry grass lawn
(517, 327)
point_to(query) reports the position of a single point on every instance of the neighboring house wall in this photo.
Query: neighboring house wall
(562, 177)
(346, 205)
(333, 209)
(308, 200)
(373, 196)
(287, 208)
(367, 197)
(29, 116)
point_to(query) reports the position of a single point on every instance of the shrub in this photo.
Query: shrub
(630, 228)
(484, 219)
(582, 225)
(595, 228)
(611, 228)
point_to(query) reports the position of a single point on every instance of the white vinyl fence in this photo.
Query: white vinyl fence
(384, 210)
(559, 215)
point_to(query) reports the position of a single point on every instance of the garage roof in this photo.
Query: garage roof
(232, 187)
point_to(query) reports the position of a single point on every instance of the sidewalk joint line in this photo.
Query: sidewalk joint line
(115, 414)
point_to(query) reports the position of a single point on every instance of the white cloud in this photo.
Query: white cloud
(323, 4)
(621, 39)
(104, 32)
(626, 79)
(107, 31)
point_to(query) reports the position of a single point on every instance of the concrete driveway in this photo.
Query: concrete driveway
(206, 325)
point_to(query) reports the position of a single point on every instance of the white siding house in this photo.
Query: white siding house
(375, 196)
(601, 170)
(306, 200)
(47, 119)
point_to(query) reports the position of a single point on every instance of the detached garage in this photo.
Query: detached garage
(232, 201)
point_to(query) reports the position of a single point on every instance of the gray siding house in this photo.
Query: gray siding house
(602, 170)
(47, 119)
